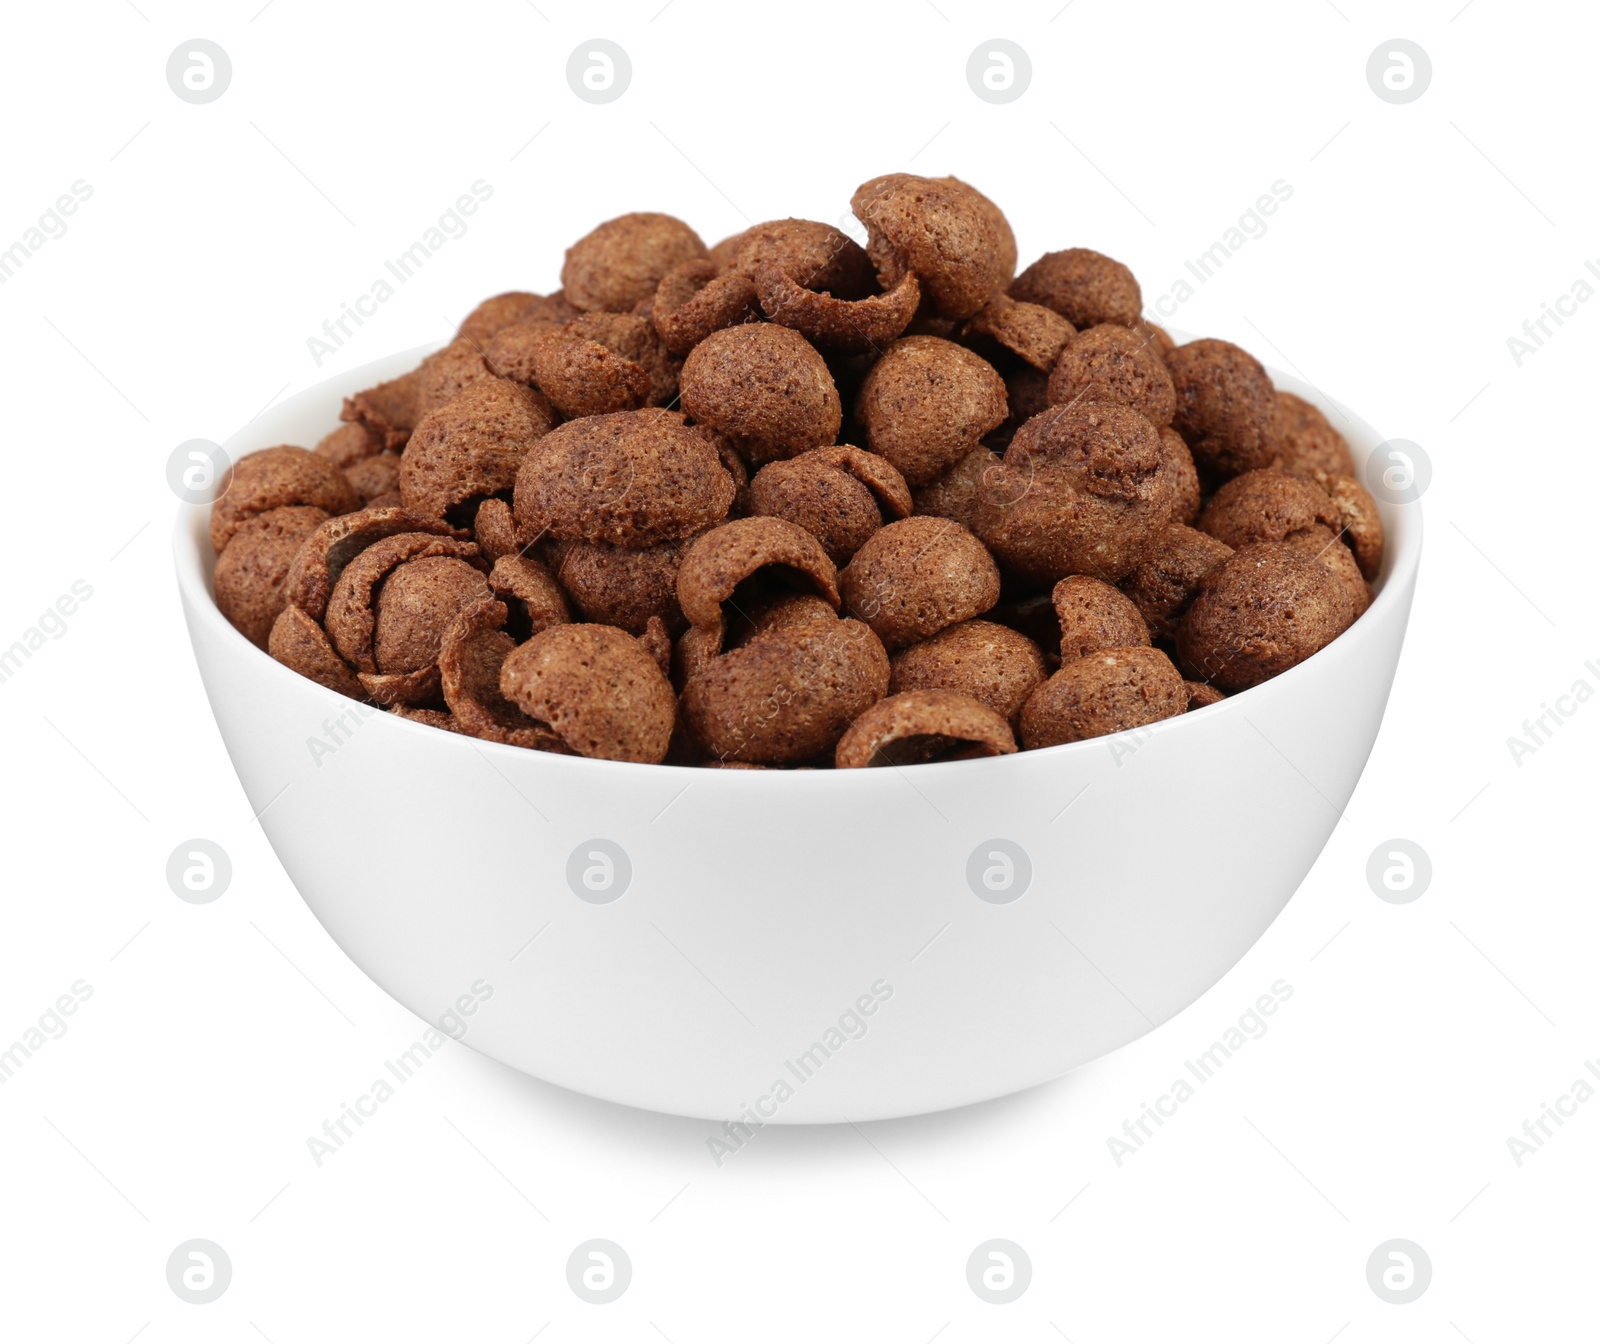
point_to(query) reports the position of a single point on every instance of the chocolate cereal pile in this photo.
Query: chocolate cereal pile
(789, 501)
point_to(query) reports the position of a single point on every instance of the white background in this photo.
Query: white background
(1418, 1038)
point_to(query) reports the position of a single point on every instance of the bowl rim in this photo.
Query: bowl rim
(1402, 523)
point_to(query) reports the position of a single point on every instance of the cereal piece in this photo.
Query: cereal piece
(512, 309)
(1201, 695)
(412, 612)
(765, 388)
(1030, 331)
(918, 727)
(512, 352)
(622, 261)
(389, 410)
(420, 687)
(323, 555)
(530, 592)
(1006, 253)
(1083, 286)
(1159, 340)
(1320, 544)
(844, 326)
(658, 644)
(494, 528)
(471, 653)
(814, 255)
(1095, 616)
(841, 495)
(788, 694)
(635, 478)
(1302, 440)
(1359, 525)
(348, 444)
(940, 228)
(434, 718)
(917, 576)
(250, 572)
(1082, 490)
(1266, 505)
(730, 556)
(1264, 609)
(1225, 405)
(472, 446)
(1170, 574)
(374, 476)
(1185, 476)
(302, 645)
(957, 494)
(991, 663)
(695, 298)
(271, 479)
(1114, 363)
(624, 586)
(597, 688)
(603, 362)
(1108, 692)
(446, 374)
(927, 403)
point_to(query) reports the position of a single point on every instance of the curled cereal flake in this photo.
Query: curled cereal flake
(1225, 406)
(470, 657)
(599, 690)
(1201, 695)
(1170, 574)
(249, 577)
(658, 644)
(927, 403)
(1083, 286)
(389, 410)
(472, 446)
(921, 726)
(273, 479)
(694, 299)
(302, 645)
(434, 718)
(322, 556)
(420, 687)
(1095, 616)
(991, 663)
(1033, 333)
(418, 608)
(448, 373)
(765, 388)
(1108, 692)
(815, 255)
(375, 476)
(728, 556)
(940, 228)
(631, 479)
(917, 576)
(620, 263)
(838, 494)
(523, 583)
(348, 444)
(844, 326)
(1115, 364)
(495, 529)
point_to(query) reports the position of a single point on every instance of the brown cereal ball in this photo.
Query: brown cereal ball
(696, 298)
(940, 228)
(1030, 331)
(1115, 364)
(1185, 476)
(1303, 441)
(624, 586)
(1095, 616)
(1264, 609)
(915, 577)
(1225, 405)
(631, 479)
(513, 309)
(1320, 544)
(927, 403)
(1265, 505)
(840, 495)
(448, 373)
(597, 688)
(512, 352)
(1170, 574)
(919, 727)
(621, 262)
(1006, 255)
(303, 646)
(989, 662)
(533, 599)
(472, 446)
(727, 558)
(375, 476)
(1359, 524)
(1082, 490)
(1085, 287)
(1108, 692)
(250, 571)
(603, 362)
(351, 617)
(1160, 341)
(348, 444)
(788, 694)
(765, 388)
(957, 494)
(1201, 695)
(272, 479)
(415, 606)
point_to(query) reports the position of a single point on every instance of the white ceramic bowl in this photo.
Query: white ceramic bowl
(802, 946)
